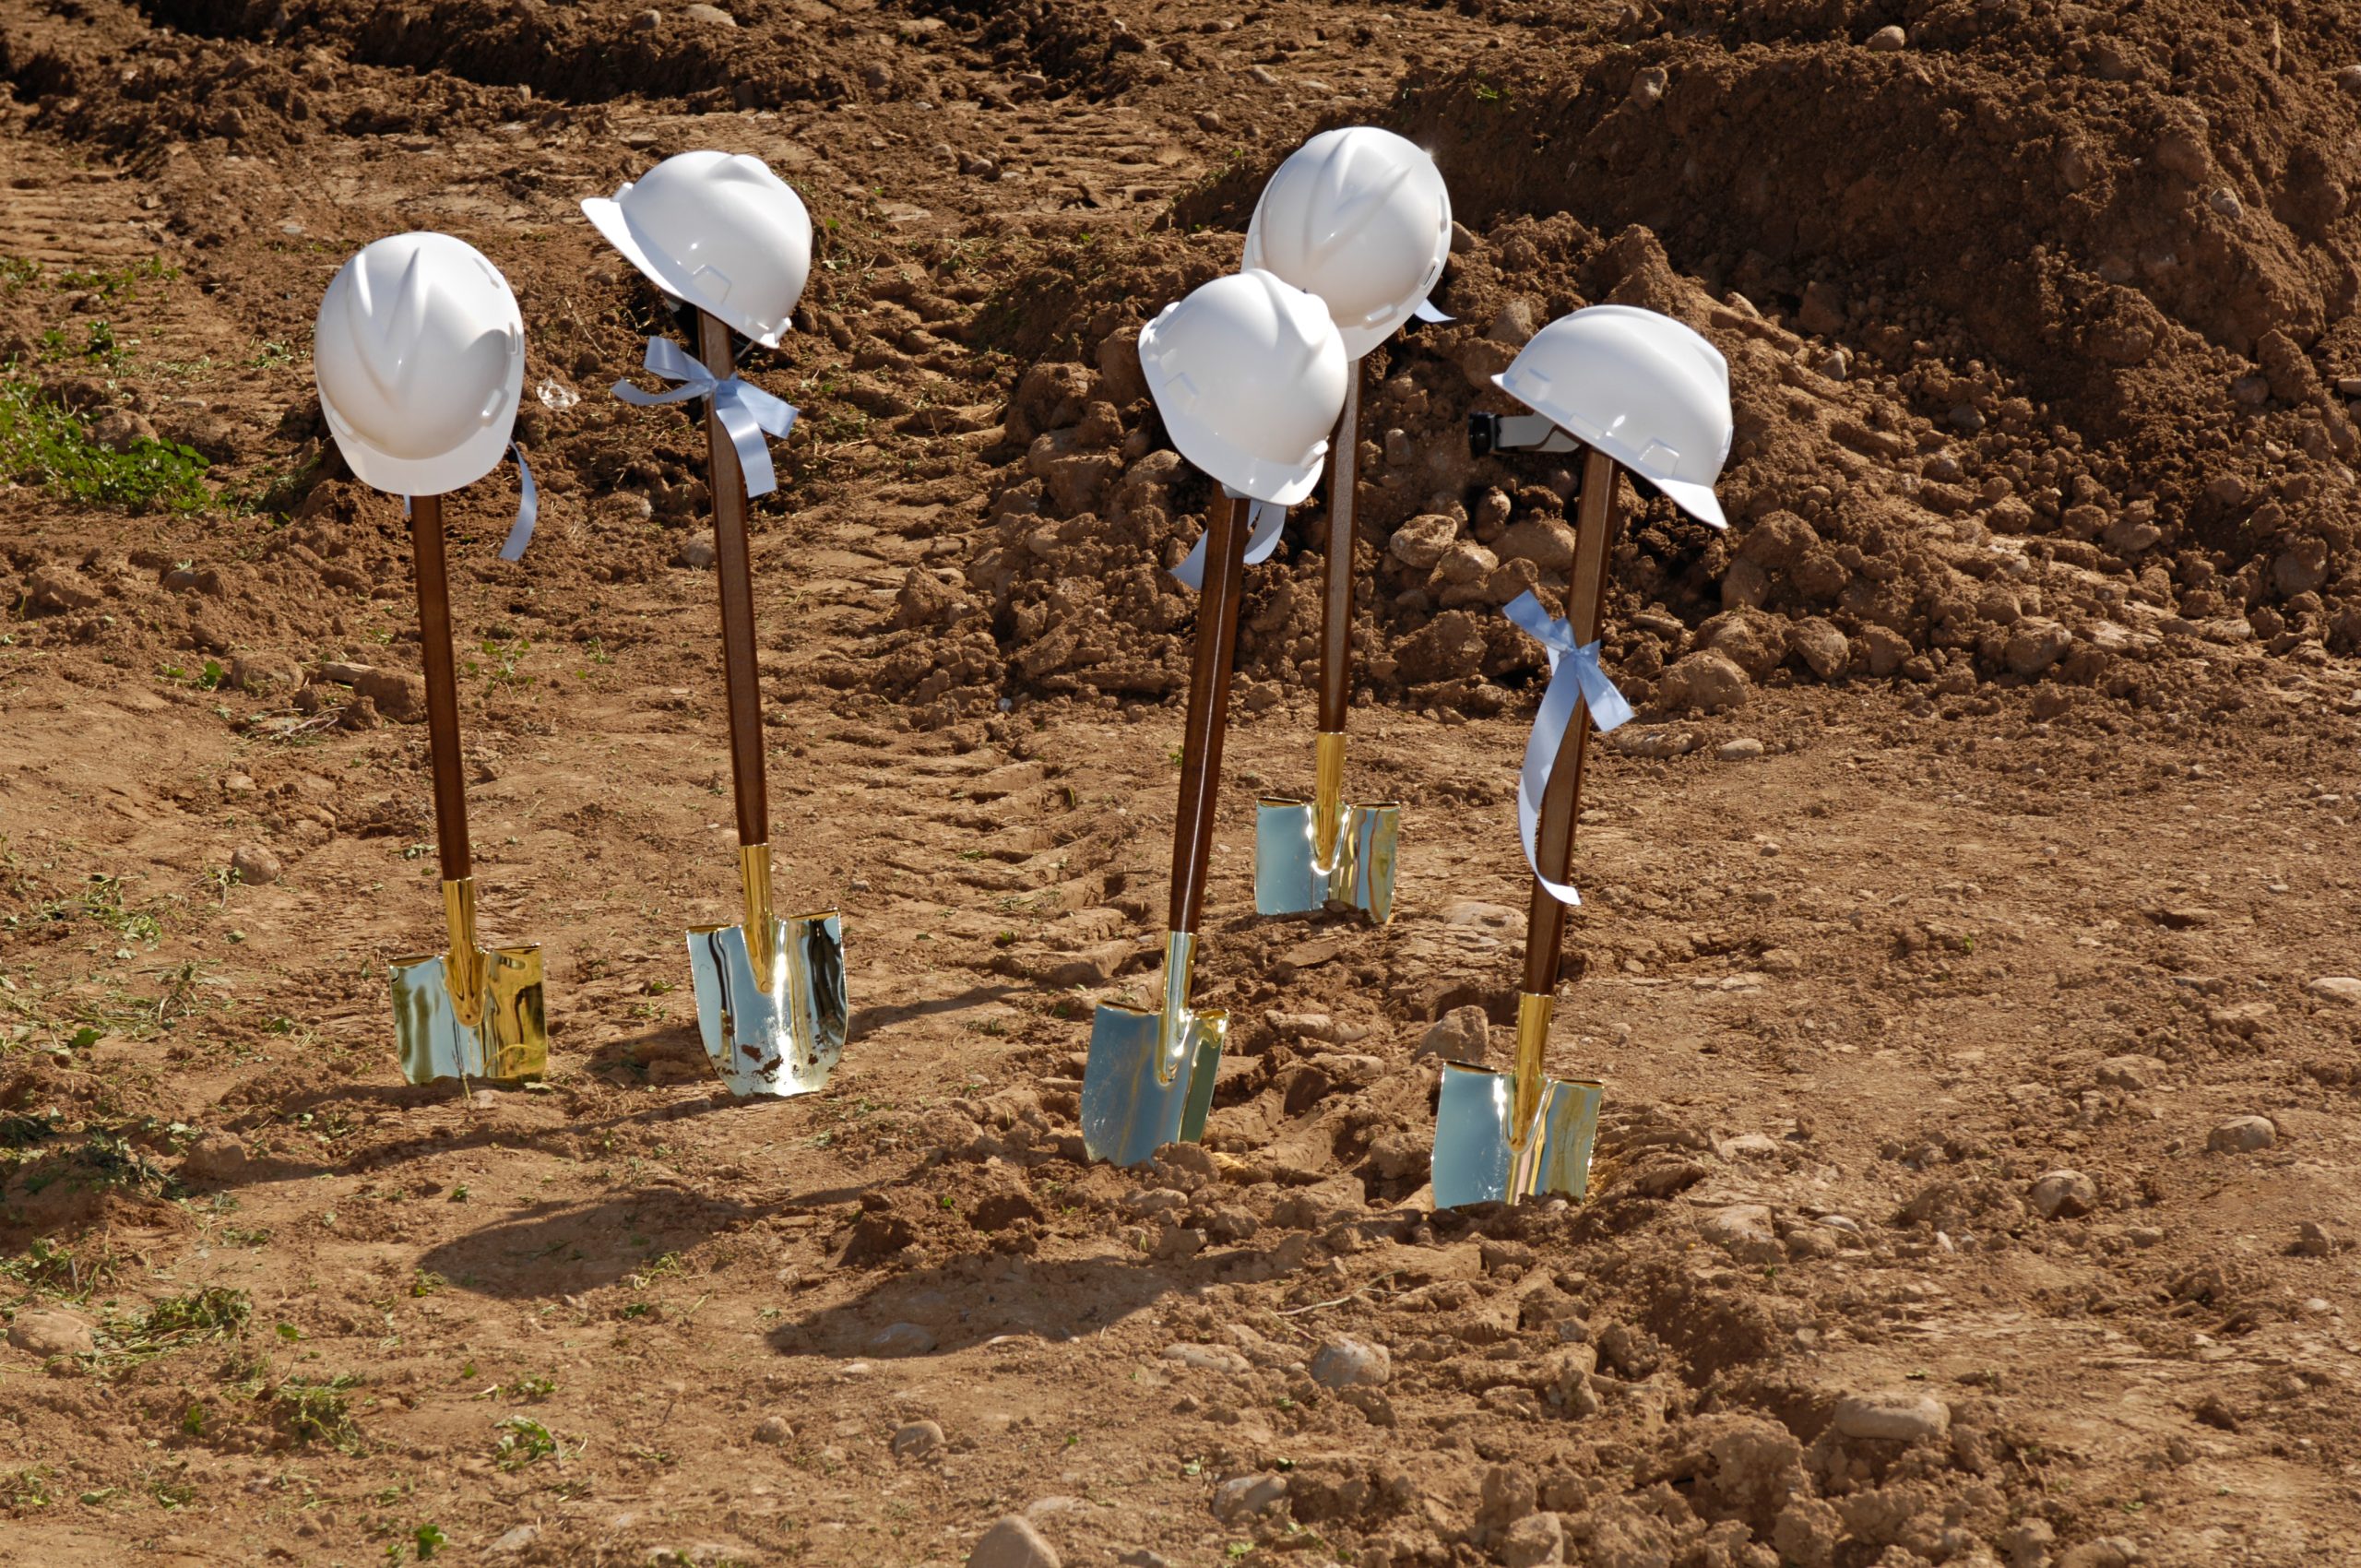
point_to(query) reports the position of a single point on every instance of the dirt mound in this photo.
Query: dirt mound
(2054, 384)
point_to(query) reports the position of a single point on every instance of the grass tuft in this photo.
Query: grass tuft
(42, 444)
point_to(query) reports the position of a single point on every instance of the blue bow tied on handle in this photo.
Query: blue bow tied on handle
(1575, 677)
(1265, 521)
(747, 411)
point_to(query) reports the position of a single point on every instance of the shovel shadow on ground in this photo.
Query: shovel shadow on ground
(485, 1127)
(553, 1250)
(866, 1021)
(978, 1297)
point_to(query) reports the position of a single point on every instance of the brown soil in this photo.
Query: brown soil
(2045, 598)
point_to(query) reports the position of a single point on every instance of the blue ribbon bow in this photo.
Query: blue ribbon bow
(1574, 677)
(747, 411)
(528, 509)
(1265, 521)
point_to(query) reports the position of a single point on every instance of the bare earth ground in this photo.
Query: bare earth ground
(1955, 929)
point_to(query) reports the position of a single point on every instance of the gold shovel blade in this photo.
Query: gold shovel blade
(1288, 877)
(1478, 1158)
(1134, 1099)
(506, 1041)
(775, 1029)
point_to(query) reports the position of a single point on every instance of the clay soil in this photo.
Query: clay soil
(1970, 916)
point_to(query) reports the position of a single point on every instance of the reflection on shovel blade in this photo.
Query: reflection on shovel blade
(1288, 879)
(509, 1043)
(1129, 1109)
(1474, 1161)
(780, 1032)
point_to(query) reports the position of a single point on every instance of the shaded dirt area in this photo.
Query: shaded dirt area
(1968, 938)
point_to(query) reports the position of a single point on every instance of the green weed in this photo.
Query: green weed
(218, 1311)
(317, 1413)
(24, 1490)
(522, 1442)
(116, 282)
(41, 442)
(56, 1270)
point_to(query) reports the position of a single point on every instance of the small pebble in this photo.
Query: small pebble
(2064, 1195)
(901, 1340)
(1895, 1415)
(52, 1334)
(1889, 40)
(1743, 750)
(697, 551)
(254, 866)
(2242, 1134)
(647, 21)
(1242, 1497)
(1013, 1543)
(919, 1440)
(773, 1429)
(2337, 988)
(1351, 1364)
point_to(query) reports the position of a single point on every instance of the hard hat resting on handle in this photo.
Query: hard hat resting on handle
(1361, 218)
(719, 231)
(1641, 388)
(1249, 375)
(419, 353)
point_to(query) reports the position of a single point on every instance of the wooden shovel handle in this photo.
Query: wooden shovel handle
(442, 688)
(1596, 524)
(1336, 630)
(1209, 718)
(733, 564)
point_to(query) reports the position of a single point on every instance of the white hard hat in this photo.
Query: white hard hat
(420, 355)
(1642, 388)
(1248, 374)
(1361, 218)
(719, 230)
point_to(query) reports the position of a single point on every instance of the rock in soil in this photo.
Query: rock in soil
(1013, 1543)
(1895, 1414)
(2242, 1134)
(254, 865)
(1351, 1364)
(43, 1333)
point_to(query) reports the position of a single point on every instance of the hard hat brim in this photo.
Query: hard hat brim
(1279, 483)
(456, 470)
(606, 215)
(1698, 500)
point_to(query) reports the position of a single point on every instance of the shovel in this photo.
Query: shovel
(1309, 854)
(1502, 1136)
(1149, 1079)
(770, 990)
(470, 1012)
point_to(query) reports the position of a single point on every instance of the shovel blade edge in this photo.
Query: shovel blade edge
(508, 1044)
(780, 1032)
(1287, 878)
(1474, 1161)
(1129, 1109)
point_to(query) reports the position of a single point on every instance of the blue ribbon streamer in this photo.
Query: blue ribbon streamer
(528, 509)
(1265, 522)
(1575, 679)
(747, 411)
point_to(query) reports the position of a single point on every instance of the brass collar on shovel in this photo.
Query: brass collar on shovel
(771, 1003)
(469, 1012)
(1149, 1078)
(1502, 1136)
(1310, 854)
